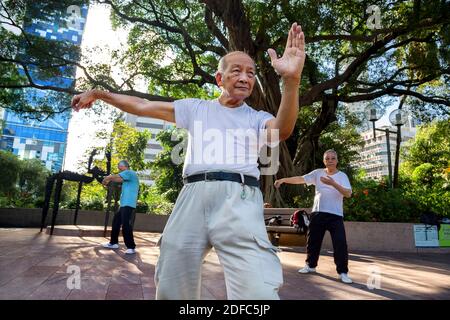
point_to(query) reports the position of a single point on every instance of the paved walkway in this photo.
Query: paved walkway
(35, 265)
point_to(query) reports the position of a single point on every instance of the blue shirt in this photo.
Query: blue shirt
(130, 188)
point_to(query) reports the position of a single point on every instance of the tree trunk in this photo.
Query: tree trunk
(308, 145)
(267, 96)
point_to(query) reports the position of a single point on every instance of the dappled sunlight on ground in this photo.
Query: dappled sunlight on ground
(35, 265)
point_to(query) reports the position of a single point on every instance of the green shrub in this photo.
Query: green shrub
(92, 204)
(142, 207)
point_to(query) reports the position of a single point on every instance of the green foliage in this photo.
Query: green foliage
(32, 177)
(425, 171)
(423, 174)
(129, 144)
(374, 201)
(93, 196)
(142, 207)
(430, 145)
(22, 182)
(166, 173)
(424, 182)
(10, 165)
(154, 201)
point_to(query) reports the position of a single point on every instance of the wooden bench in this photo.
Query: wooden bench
(278, 223)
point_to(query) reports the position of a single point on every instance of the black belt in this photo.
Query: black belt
(222, 176)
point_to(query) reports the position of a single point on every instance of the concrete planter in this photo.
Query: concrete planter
(361, 236)
(380, 236)
(31, 218)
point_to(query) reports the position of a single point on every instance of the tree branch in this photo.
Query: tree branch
(395, 91)
(313, 94)
(214, 30)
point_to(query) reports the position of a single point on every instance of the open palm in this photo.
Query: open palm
(290, 65)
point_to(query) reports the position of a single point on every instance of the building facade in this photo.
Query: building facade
(153, 146)
(32, 138)
(373, 156)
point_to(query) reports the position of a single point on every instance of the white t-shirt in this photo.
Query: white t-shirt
(327, 198)
(221, 138)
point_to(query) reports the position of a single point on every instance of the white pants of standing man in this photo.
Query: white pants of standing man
(213, 214)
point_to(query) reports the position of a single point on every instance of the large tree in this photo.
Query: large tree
(357, 51)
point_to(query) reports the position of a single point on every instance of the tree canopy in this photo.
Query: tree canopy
(357, 51)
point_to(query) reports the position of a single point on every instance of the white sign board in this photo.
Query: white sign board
(426, 235)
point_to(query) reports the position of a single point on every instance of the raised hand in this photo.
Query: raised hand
(290, 65)
(83, 100)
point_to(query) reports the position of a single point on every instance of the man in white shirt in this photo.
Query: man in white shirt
(221, 205)
(332, 186)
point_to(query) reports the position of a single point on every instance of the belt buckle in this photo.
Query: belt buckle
(206, 177)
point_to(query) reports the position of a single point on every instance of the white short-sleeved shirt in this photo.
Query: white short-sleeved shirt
(327, 198)
(221, 138)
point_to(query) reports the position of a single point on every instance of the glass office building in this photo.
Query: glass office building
(46, 140)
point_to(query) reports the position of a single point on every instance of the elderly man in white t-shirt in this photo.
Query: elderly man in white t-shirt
(332, 186)
(221, 205)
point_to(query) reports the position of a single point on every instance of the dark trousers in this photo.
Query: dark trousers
(321, 222)
(125, 218)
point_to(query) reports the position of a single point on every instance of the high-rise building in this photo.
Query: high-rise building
(153, 146)
(373, 156)
(32, 138)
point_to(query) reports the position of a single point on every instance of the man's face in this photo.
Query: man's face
(122, 167)
(238, 78)
(330, 160)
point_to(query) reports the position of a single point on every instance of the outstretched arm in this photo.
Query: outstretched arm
(289, 67)
(138, 106)
(290, 180)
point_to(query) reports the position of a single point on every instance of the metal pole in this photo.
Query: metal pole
(388, 147)
(77, 206)
(58, 188)
(108, 208)
(374, 134)
(48, 194)
(397, 155)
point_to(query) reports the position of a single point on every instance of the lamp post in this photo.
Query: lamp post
(397, 118)
(373, 116)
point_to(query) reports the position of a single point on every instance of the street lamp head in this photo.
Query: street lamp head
(398, 117)
(371, 113)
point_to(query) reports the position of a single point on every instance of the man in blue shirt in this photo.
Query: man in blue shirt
(128, 199)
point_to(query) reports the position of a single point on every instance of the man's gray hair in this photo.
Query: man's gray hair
(124, 163)
(330, 151)
(223, 63)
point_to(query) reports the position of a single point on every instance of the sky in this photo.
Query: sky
(83, 125)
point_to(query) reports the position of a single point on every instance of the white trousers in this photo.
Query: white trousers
(214, 214)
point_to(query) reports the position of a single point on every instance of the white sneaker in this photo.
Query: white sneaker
(345, 278)
(111, 246)
(306, 269)
(130, 251)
